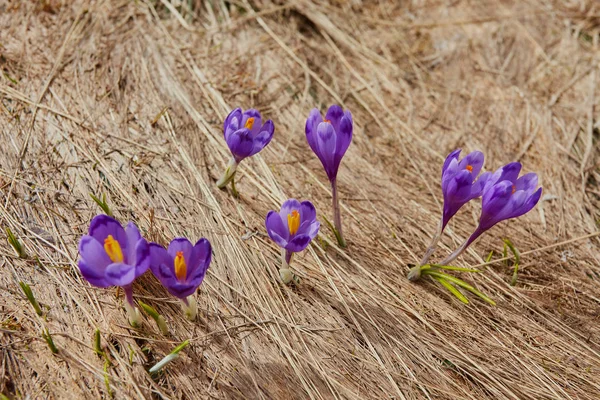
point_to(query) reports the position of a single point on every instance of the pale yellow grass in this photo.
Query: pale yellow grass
(82, 89)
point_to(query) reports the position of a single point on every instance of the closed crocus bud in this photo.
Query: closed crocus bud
(292, 229)
(181, 268)
(245, 135)
(329, 138)
(113, 256)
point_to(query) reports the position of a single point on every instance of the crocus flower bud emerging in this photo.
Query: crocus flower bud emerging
(113, 256)
(245, 135)
(292, 229)
(329, 138)
(505, 196)
(181, 269)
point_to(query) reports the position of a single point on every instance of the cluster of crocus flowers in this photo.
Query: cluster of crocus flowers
(329, 138)
(504, 195)
(292, 229)
(245, 135)
(111, 255)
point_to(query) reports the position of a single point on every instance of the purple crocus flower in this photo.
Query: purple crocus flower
(113, 256)
(458, 181)
(505, 196)
(181, 269)
(245, 135)
(329, 138)
(292, 229)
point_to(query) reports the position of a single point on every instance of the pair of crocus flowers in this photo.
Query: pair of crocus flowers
(115, 256)
(504, 195)
(295, 225)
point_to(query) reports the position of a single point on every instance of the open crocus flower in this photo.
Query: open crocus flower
(113, 256)
(292, 229)
(181, 269)
(329, 138)
(245, 135)
(505, 196)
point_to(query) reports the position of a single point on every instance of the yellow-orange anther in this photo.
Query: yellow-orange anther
(249, 123)
(180, 266)
(293, 222)
(514, 189)
(113, 249)
(469, 168)
(326, 120)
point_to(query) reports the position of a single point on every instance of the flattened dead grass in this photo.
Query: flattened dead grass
(84, 89)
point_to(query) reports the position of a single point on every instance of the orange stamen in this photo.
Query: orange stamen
(293, 222)
(469, 168)
(249, 123)
(326, 120)
(514, 189)
(113, 249)
(180, 266)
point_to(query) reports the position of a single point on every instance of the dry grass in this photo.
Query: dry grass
(82, 86)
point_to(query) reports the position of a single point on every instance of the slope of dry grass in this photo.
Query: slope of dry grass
(83, 88)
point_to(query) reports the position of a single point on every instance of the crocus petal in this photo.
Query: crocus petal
(313, 121)
(452, 156)
(276, 229)
(326, 141)
(308, 213)
(480, 184)
(344, 136)
(103, 225)
(93, 274)
(298, 243)
(263, 138)
(162, 263)
(200, 260)
(120, 274)
(183, 245)
(142, 257)
(256, 126)
(93, 252)
(240, 144)
(133, 236)
(527, 182)
(473, 160)
(182, 290)
(334, 115)
(510, 172)
(232, 122)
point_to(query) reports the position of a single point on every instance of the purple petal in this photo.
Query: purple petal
(334, 114)
(276, 229)
(200, 261)
(240, 144)
(474, 160)
(93, 275)
(183, 245)
(452, 156)
(527, 182)
(298, 243)
(344, 136)
(120, 274)
(510, 172)
(142, 257)
(307, 211)
(182, 290)
(263, 138)
(232, 122)
(326, 141)
(93, 253)
(103, 225)
(133, 236)
(161, 263)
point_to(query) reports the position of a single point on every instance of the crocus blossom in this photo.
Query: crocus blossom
(292, 229)
(245, 135)
(505, 196)
(113, 256)
(181, 269)
(329, 138)
(458, 181)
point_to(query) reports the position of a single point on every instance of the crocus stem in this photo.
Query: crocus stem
(285, 273)
(190, 307)
(433, 245)
(462, 248)
(337, 217)
(229, 174)
(132, 311)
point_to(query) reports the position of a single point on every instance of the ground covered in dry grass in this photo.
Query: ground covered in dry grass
(83, 93)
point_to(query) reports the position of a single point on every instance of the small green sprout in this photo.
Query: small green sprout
(27, 290)
(16, 244)
(102, 203)
(160, 321)
(48, 338)
(170, 357)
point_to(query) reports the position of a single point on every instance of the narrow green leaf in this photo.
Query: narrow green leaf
(505, 253)
(464, 285)
(489, 256)
(16, 244)
(107, 380)
(102, 204)
(452, 289)
(97, 343)
(48, 338)
(339, 239)
(29, 294)
(452, 268)
(160, 321)
(513, 249)
(515, 275)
